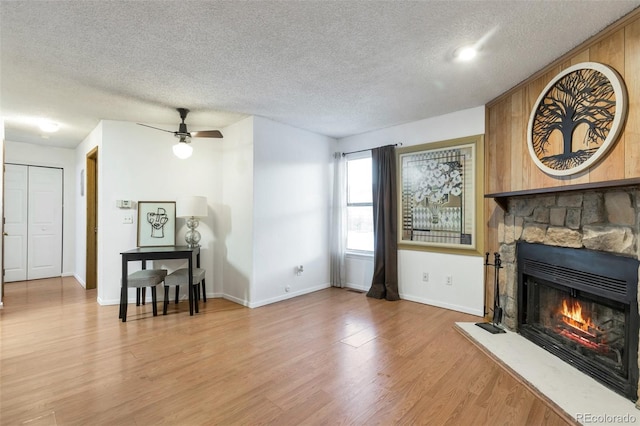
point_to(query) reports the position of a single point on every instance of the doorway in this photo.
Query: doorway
(33, 212)
(92, 219)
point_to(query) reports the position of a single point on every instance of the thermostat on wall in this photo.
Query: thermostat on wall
(124, 204)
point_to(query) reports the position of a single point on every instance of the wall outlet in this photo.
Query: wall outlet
(127, 219)
(425, 277)
(448, 280)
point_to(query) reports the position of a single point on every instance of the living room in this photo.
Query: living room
(268, 186)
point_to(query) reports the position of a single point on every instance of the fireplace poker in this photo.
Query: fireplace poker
(497, 309)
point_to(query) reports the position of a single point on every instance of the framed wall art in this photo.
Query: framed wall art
(577, 118)
(439, 195)
(156, 223)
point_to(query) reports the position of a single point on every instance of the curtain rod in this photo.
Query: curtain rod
(363, 150)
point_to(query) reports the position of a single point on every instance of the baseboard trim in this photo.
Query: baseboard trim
(237, 300)
(459, 308)
(357, 287)
(288, 296)
(80, 281)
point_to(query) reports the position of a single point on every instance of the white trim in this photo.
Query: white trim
(356, 287)
(287, 296)
(80, 280)
(439, 304)
(237, 300)
(361, 254)
(107, 302)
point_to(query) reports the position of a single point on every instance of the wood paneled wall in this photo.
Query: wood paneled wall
(507, 156)
(508, 165)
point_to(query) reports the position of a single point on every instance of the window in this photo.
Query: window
(359, 204)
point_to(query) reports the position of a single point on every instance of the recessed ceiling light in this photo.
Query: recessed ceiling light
(48, 126)
(466, 53)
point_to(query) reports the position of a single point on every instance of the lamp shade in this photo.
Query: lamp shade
(194, 205)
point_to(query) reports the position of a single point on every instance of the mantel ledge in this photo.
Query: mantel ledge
(502, 198)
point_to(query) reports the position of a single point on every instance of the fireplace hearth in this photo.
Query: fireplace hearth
(581, 305)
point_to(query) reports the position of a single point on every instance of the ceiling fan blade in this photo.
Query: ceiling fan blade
(207, 134)
(157, 128)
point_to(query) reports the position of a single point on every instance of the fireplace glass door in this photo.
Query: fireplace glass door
(586, 327)
(581, 305)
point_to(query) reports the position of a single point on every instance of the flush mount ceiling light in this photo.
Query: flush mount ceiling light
(48, 126)
(469, 52)
(466, 53)
(45, 125)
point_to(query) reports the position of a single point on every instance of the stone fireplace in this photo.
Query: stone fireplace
(593, 221)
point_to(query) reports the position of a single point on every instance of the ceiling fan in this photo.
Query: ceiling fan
(182, 149)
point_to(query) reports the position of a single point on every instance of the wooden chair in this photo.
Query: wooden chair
(180, 277)
(139, 280)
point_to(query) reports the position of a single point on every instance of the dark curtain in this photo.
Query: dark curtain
(385, 219)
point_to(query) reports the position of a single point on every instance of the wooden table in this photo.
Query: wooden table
(156, 253)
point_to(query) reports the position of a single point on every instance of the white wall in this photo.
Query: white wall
(467, 292)
(359, 271)
(291, 211)
(267, 186)
(136, 163)
(64, 158)
(234, 213)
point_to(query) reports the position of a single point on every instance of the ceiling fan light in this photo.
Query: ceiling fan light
(182, 150)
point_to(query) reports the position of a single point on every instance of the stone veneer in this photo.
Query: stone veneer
(603, 220)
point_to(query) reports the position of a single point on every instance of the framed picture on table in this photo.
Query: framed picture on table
(156, 223)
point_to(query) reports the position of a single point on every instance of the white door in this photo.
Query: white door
(34, 247)
(15, 227)
(44, 257)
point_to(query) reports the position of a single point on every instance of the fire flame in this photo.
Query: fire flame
(573, 317)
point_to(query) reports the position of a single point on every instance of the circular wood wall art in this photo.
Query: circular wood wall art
(577, 118)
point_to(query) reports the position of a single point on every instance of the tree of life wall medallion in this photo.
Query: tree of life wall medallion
(577, 118)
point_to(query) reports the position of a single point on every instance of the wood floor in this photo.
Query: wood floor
(330, 357)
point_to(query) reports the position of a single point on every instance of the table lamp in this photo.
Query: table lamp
(192, 208)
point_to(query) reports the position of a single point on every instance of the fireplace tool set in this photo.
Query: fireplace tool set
(494, 326)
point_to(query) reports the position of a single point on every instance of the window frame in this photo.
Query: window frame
(351, 157)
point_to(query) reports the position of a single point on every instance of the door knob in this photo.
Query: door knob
(5, 234)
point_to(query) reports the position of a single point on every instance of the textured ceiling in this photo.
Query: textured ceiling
(333, 67)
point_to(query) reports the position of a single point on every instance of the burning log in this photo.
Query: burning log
(573, 325)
